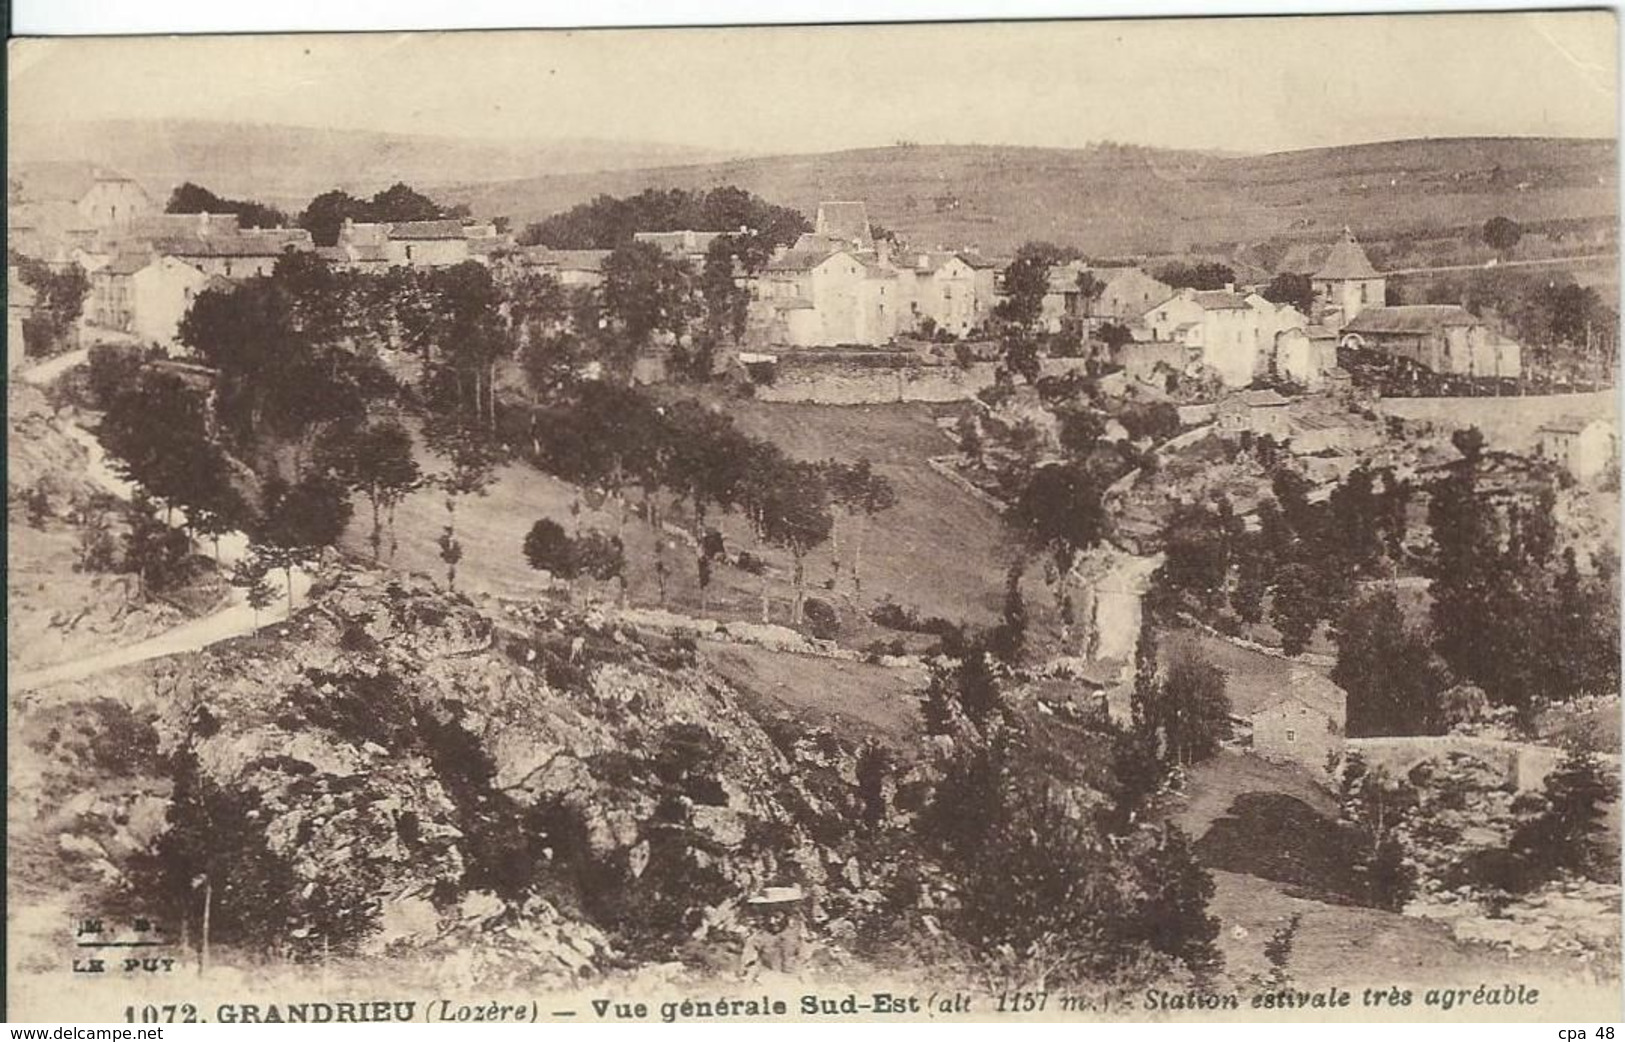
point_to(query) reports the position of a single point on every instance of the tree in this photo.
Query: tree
(1290, 288)
(376, 461)
(1200, 542)
(726, 299)
(298, 520)
(156, 433)
(327, 212)
(1090, 289)
(1377, 808)
(1569, 834)
(248, 575)
(325, 215)
(966, 689)
(155, 552)
(1296, 607)
(794, 514)
(462, 336)
(1026, 283)
(1502, 235)
(1194, 709)
(194, 198)
(548, 548)
(644, 292)
(592, 554)
(1059, 512)
(856, 490)
(1388, 670)
(472, 459)
(600, 556)
(1114, 335)
(59, 300)
(607, 222)
(1205, 275)
(215, 507)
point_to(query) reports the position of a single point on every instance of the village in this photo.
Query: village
(1191, 524)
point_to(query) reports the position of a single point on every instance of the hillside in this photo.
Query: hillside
(1127, 200)
(287, 165)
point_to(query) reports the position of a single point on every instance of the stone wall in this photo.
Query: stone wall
(845, 383)
(1508, 423)
(1523, 764)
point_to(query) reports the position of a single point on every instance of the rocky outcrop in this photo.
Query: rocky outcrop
(542, 797)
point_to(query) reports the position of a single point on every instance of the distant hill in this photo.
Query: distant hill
(287, 165)
(1116, 200)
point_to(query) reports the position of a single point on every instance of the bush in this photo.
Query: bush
(750, 563)
(894, 616)
(878, 649)
(823, 621)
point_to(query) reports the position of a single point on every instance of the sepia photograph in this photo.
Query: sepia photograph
(1002, 521)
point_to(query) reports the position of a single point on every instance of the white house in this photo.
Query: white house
(1233, 335)
(1587, 449)
(146, 295)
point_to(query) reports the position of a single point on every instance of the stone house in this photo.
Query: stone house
(939, 286)
(824, 296)
(984, 279)
(146, 295)
(1128, 294)
(113, 201)
(1587, 449)
(1444, 338)
(1260, 413)
(224, 250)
(684, 245)
(1233, 335)
(402, 244)
(1300, 721)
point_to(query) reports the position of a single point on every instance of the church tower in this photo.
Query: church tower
(1346, 283)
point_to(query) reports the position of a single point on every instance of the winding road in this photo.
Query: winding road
(235, 619)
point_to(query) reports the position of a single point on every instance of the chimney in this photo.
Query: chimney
(883, 251)
(1229, 287)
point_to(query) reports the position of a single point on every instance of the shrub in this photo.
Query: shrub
(823, 621)
(750, 563)
(894, 616)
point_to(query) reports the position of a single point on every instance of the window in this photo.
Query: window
(1291, 735)
(409, 253)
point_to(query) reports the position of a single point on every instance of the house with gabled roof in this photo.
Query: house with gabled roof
(146, 295)
(848, 299)
(1231, 334)
(680, 245)
(1587, 448)
(410, 244)
(1444, 338)
(1300, 718)
(940, 286)
(245, 253)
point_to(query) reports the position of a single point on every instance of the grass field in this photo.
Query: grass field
(940, 549)
(1116, 201)
(855, 699)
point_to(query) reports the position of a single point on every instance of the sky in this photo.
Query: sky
(1244, 85)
